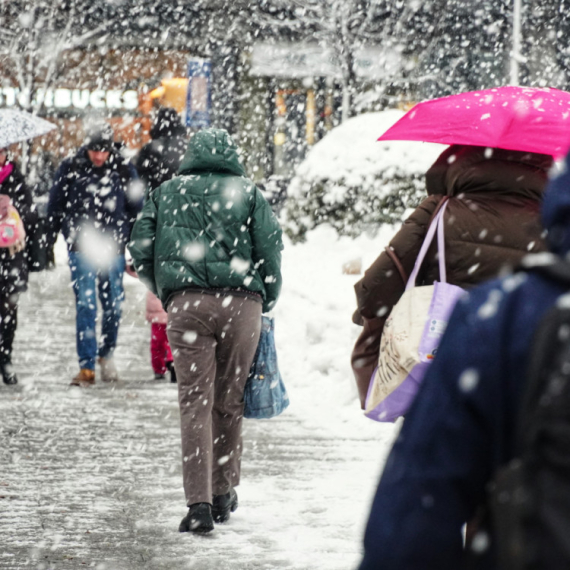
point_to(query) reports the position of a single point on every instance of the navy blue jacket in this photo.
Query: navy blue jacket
(105, 198)
(461, 426)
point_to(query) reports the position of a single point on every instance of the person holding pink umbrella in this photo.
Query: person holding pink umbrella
(493, 196)
(514, 118)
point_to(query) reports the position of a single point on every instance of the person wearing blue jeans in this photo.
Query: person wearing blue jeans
(94, 202)
(86, 278)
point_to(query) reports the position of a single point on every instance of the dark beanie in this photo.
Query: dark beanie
(167, 124)
(100, 137)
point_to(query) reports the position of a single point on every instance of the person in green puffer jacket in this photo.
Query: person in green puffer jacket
(208, 245)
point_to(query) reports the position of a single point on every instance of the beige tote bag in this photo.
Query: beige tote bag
(411, 336)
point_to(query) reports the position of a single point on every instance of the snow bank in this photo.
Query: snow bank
(355, 183)
(352, 153)
(314, 329)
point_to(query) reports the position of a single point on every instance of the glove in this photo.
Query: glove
(19, 245)
(5, 204)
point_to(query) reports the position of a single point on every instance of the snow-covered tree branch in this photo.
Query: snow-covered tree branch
(37, 34)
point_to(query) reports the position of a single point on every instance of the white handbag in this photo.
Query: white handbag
(411, 335)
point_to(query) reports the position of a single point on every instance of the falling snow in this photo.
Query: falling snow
(92, 478)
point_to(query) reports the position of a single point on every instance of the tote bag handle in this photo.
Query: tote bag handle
(436, 225)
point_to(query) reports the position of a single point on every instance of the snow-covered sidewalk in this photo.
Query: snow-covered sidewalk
(92, 478)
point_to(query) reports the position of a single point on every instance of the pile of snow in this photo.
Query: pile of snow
(353, 182)
(351, 152)
(314, 329)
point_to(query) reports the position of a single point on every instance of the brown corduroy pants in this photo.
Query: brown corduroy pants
(213, 340)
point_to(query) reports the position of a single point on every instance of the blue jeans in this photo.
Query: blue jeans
(85, 277)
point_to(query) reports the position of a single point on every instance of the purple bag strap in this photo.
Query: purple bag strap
(436, 225)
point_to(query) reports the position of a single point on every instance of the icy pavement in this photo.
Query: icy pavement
(92, 478)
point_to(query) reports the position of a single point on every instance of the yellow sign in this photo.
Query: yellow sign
(172, 93)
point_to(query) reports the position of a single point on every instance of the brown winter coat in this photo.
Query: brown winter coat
(491, 221)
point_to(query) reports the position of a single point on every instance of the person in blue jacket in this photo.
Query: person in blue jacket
(461, 426)
(94, 201)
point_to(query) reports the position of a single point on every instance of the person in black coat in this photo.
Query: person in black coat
(13, 262)
(94, 201)
(158, 161)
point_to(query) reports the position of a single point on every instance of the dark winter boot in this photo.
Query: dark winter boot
(223, 505)
(170, 366)
(8, 375)
(159, 376)
(199, 519)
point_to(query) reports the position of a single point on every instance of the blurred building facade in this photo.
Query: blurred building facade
(282, 73)
(272, 85)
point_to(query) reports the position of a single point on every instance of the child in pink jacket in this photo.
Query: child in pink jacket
(160, 353)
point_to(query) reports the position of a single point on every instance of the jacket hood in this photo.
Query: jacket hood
(556, 210)
(463, 169)
(167, 124)
(212, 150)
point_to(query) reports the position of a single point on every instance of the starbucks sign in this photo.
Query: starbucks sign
(72, 98)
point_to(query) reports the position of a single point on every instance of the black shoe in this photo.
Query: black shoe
(158, 376)
(199, 519)
(8, 375)
(222, 505)
(170, 366)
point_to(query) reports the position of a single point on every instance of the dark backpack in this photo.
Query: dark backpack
(39, 253)
(530, 497)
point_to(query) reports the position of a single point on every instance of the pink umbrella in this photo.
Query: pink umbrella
(513, 118)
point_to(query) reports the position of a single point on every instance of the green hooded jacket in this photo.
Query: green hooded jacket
(209, 227)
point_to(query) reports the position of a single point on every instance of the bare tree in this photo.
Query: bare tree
(343, 27)
(35, 36)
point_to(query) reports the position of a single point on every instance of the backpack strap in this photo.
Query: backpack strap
(549, 354)
(392, 254)
(438, 208)
(546, 395)
(547, 264)
(435, 226)
(542, 359)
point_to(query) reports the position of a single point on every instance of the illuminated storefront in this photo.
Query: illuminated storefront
(72, 99)
(113, 84)
(306, 93)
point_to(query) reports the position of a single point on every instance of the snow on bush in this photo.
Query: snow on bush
(355, 183)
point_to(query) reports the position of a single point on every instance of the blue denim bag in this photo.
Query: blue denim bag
(265, 395)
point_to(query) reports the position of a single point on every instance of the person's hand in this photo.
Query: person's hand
(50, 258)
(18, 246)
(130, 268)
(5, 203)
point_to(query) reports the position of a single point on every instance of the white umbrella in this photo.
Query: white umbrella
(17, 126)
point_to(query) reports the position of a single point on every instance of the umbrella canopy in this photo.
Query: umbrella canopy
(512, 118)
(17, 126)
